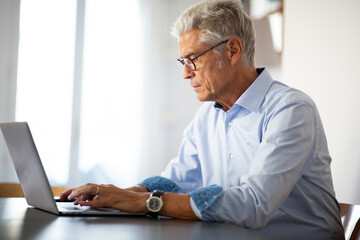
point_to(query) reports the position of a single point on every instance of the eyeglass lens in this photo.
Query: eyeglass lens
(187, 61)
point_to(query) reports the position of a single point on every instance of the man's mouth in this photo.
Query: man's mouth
(196, 87)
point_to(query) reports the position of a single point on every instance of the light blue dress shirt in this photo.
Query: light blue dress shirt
(264, 163)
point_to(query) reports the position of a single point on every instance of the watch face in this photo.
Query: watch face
(154, 204)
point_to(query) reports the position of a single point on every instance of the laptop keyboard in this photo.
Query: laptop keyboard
(68, 206)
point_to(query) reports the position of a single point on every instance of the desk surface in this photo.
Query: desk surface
(18, 221)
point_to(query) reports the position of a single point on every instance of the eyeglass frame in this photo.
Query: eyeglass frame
(181, 61)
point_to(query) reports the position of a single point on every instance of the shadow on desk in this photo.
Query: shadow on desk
(35, 223)
(38, 224)
(168, 228)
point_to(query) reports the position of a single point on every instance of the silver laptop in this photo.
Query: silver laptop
(32, 176)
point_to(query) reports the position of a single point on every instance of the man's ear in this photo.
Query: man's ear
(235, 50)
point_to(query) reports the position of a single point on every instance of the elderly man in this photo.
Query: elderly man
(255, 154)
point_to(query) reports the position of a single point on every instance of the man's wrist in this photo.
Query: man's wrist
(141, 202)
(154, 203)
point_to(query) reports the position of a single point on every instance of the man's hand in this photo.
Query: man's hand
(108, 196)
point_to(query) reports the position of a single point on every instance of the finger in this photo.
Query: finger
(81, 198)
(86, 190)
(95, 203)
(97, 190)
(65, 194)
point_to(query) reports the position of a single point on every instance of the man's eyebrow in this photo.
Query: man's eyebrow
(189, 54)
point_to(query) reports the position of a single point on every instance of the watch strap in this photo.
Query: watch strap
(157, 193)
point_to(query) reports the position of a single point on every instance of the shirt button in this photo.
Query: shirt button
(232, 156)
(230, 124)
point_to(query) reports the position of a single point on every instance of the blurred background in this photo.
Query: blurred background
(98, 82)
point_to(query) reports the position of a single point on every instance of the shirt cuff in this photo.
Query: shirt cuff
(203, 198)
(195, 209)
(161, 183)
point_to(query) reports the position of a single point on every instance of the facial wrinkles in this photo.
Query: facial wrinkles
(212, 73)
(207, 83)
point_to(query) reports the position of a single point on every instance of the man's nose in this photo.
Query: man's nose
(187, 73)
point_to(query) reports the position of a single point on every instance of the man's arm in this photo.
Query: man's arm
(128, 200)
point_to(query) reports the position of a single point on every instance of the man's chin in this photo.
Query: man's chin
(203, 98)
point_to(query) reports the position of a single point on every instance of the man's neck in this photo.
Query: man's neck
(242, 81)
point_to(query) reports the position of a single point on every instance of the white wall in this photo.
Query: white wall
(9, 36)
(322, 58)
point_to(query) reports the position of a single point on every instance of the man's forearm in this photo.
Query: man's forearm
(177, 206)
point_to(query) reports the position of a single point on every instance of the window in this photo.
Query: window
(111, 92)
(100, 145)
(45, 79)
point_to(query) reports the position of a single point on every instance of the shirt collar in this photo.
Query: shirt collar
(252, 98)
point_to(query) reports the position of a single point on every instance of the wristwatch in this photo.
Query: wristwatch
(155, 203)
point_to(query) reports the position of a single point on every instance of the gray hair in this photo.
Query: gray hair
(219, 20)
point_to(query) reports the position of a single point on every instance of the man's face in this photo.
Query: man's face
(208, 80)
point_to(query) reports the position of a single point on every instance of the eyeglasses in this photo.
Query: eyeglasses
(189, 62)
